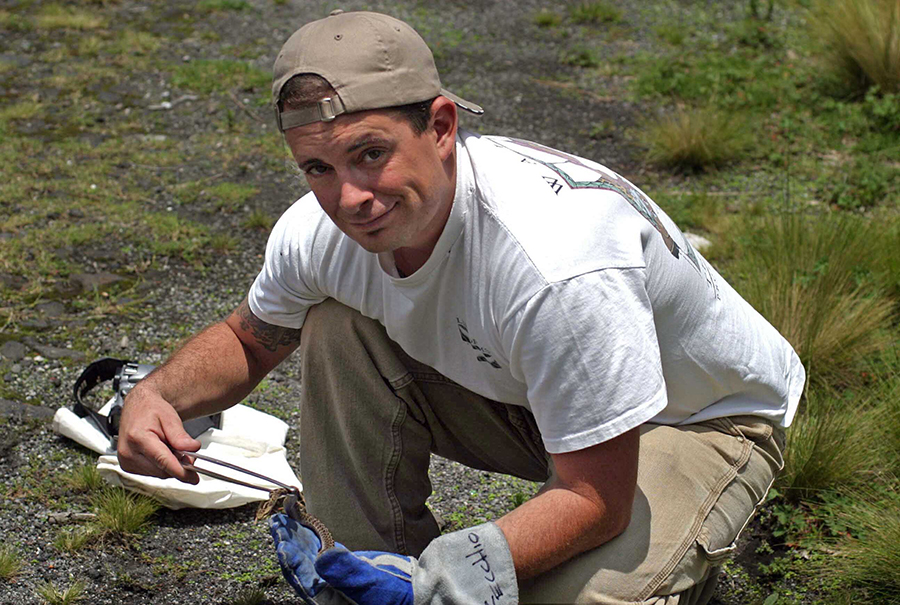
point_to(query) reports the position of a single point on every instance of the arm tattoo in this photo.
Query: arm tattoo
(269, 336)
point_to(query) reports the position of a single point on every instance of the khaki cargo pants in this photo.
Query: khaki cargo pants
(371, 417)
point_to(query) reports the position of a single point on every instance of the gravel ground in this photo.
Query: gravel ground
(488, 51)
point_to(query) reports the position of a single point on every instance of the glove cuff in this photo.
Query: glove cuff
(472, 565)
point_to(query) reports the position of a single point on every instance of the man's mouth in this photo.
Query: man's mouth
(375, 223)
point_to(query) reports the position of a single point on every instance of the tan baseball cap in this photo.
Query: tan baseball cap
(371, 60)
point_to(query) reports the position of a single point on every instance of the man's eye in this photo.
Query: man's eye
(373, 155)
(316, 170)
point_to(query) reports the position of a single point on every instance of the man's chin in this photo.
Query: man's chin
(374, 242)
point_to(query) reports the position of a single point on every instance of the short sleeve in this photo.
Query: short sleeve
(587, 350)
(285, 287)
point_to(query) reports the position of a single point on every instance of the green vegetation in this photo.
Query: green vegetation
(863, 39)
(55, 16)
(123, 513)
(258, 219)
(71, 540)
(223, 5)
(54, 596)
(547, 18)
(595, 12)
(695, 138)
(10, 562)
(250, 596)
(580, 56)
(85, 478)
(221, 75)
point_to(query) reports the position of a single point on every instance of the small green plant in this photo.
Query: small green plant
(864, 184)
(258, 219)
(85, 478)
(673, 33)
(693, 139)
(10, 562)
(595, 12)
(231, 196)
(220, 75)
(122, 513)
(223, 5)
(581, 56)
(547, 18)
(70, 540)
(222, 243)
(54, 16)
(53, 596)
(250, 596)
(863, 38)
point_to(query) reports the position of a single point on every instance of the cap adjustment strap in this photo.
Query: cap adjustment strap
(325, 110)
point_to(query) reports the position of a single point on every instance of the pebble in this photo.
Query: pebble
(13, 350)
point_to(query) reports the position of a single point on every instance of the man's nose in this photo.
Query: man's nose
(354, 196)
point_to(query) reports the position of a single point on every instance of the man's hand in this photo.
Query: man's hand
(468, 566)
(149, 429)
(211, 372)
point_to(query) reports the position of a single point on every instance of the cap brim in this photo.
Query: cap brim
(462, 103)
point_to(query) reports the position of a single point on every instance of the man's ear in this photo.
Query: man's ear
(444, 122)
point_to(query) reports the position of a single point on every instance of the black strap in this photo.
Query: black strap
(97, 372)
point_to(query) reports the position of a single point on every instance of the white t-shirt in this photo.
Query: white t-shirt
(556, 285)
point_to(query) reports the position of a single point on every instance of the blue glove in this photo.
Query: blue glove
(471, 565)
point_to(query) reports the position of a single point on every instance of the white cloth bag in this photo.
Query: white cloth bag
(248, 438)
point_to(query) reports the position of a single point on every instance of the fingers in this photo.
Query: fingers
(148, 427)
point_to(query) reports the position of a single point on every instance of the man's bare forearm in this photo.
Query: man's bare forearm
(221, 365)
(208, 374)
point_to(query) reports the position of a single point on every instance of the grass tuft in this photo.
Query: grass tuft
(816, 280)
(53, 596)
(122, 513)
(10, 562)
(254, 596)
(54, 16)
(85, 478)
(223, 5)
(580, 56)
(547, 18)
(829, 446)
(871, 560)
(693, 139)
(595, 12)
(258, 219)
(220, 75)
(863, 38)
(71, 540)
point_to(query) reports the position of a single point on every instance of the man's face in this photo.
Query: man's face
(383, 185)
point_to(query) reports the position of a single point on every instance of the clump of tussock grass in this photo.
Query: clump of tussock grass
(695, 138)
(863, 41)
(54, 596)
(85, 478)
(122, 513)
(814, 279)
(546, 18)
(71, 540)
(10, 562)
(870, 560)
(258, 219)
(253, 596)
(830, 445)
(595, 12)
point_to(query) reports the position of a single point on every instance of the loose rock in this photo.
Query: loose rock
(13, 349)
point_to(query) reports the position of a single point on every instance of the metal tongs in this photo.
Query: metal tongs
(292, 498)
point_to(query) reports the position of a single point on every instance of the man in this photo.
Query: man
(500, 303)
